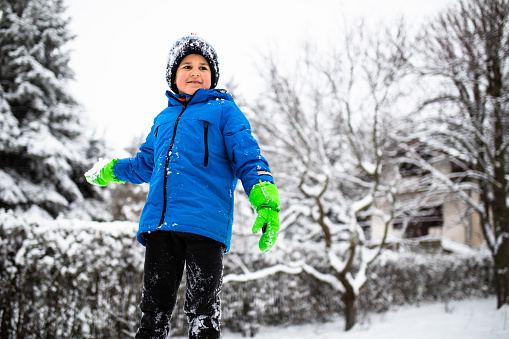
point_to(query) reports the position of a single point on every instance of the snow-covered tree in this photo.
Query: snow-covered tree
(43, 150)
(328, 130)
(464, 56)
(127, 200)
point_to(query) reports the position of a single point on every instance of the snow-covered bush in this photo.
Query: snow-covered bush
(68, 279)
(394, 279)
(411, 278)
(74, 279)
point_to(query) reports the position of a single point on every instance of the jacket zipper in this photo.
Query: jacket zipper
(184, 106)
(206, 134)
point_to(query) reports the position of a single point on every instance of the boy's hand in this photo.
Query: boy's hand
(264, 198)
(102, 173)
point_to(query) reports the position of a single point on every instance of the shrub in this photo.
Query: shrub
(72, 279)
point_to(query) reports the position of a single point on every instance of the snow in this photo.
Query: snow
(260, 274)
(95, 171)
(456, 247)
(9, 191)
(467, 319)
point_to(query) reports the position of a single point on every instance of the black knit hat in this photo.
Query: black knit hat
(191, 44)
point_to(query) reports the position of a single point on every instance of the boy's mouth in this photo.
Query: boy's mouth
(194, 82)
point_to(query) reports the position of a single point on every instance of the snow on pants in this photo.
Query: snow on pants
(166, 254)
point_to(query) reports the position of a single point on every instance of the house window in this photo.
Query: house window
(410, 170)
(364, 221)
(418, 225)
(459, 172)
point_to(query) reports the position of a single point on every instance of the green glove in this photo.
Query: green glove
(264, 198)
(102, 173)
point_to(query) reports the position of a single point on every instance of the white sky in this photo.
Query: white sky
(119, 54)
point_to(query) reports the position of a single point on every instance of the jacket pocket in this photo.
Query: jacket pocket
(206, 142)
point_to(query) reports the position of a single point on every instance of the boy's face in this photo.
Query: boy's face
(192, 74)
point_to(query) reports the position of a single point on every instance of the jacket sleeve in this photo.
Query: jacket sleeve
(137, 169)
(243, 150)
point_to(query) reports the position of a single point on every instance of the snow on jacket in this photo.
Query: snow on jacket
(193, 156)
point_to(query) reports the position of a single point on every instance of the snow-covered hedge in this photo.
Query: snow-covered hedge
(72, 279)
(394, 279)
(418, 278)
(68, 279)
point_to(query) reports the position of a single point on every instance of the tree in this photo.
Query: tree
(465, 53)
(328, 132)
(127, 200)
(43, 148)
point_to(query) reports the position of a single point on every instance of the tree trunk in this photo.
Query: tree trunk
(495, 61)
(501, 254)
(502, 274)
(350, 307)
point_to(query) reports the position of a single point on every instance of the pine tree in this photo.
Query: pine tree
(43, 150)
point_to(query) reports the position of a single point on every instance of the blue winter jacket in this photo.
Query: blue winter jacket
(192, 158)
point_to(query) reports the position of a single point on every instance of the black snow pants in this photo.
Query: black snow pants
(166, 254)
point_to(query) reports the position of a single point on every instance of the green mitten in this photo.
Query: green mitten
(102, 173)
(264, 198)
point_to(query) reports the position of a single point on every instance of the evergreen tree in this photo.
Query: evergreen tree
(127, 200)
(43, 150)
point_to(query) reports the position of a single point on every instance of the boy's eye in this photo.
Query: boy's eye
(203, 68)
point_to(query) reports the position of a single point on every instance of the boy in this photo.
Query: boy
(197, 148)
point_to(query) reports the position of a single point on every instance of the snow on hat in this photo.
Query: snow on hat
(191, 44)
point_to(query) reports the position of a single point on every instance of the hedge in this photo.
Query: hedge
(75, 279)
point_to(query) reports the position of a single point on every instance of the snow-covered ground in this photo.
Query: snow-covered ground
(468, 319)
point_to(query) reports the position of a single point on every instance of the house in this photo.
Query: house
(424, 207)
